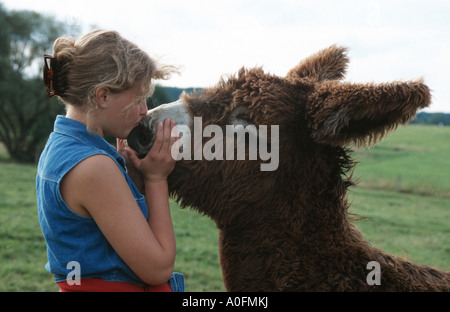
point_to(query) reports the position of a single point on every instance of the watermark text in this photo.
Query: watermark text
(237, 142)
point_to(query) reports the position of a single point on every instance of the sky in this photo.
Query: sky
(388, 40)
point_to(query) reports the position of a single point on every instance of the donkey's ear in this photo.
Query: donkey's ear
(342, 113)
(327, 64)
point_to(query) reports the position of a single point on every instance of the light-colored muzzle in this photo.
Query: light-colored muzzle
(142, 137)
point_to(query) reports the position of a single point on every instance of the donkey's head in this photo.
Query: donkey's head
(304, 120)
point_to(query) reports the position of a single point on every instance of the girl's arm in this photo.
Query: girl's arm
(155, 168)
(96, 188)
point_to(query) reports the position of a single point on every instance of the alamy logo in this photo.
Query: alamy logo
(74, 276)
(374, 276)
(257, 138)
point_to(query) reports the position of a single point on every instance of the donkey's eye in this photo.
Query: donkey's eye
(240, 116)
(245, 117)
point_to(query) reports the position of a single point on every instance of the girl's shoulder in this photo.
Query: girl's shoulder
(88, 179)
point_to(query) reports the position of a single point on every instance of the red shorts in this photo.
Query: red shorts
(99, 285)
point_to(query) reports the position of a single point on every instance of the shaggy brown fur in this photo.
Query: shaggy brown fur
(290, 229)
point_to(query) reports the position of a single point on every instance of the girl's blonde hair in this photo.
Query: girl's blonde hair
(102, 59)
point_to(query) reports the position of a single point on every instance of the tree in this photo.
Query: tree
(159, 96)
(26, 114)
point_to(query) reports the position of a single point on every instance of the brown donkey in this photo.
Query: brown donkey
(286, 226)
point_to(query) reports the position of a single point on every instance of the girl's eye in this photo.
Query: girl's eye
(138, 101)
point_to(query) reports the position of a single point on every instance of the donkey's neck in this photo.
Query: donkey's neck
(255, 252)
(296, 216)
(286, 233)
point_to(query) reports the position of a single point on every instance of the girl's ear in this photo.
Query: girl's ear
(101, 95)
(343, 113)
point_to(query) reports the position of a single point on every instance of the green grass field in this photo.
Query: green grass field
(407, 216)
(413, 159)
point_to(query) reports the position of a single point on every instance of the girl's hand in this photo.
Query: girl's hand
(158, 163)
(132, 171)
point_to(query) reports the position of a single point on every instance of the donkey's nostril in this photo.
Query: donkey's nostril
(141, 139)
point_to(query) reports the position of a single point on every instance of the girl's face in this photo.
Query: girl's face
(123, 112)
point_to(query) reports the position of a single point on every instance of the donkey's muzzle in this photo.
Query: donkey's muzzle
(141, 138)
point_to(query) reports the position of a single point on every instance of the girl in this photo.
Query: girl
(102, 234)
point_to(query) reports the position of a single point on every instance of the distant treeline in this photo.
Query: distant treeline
(163, 95)
(423, 118)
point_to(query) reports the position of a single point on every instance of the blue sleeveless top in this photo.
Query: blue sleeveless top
(69, 236)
